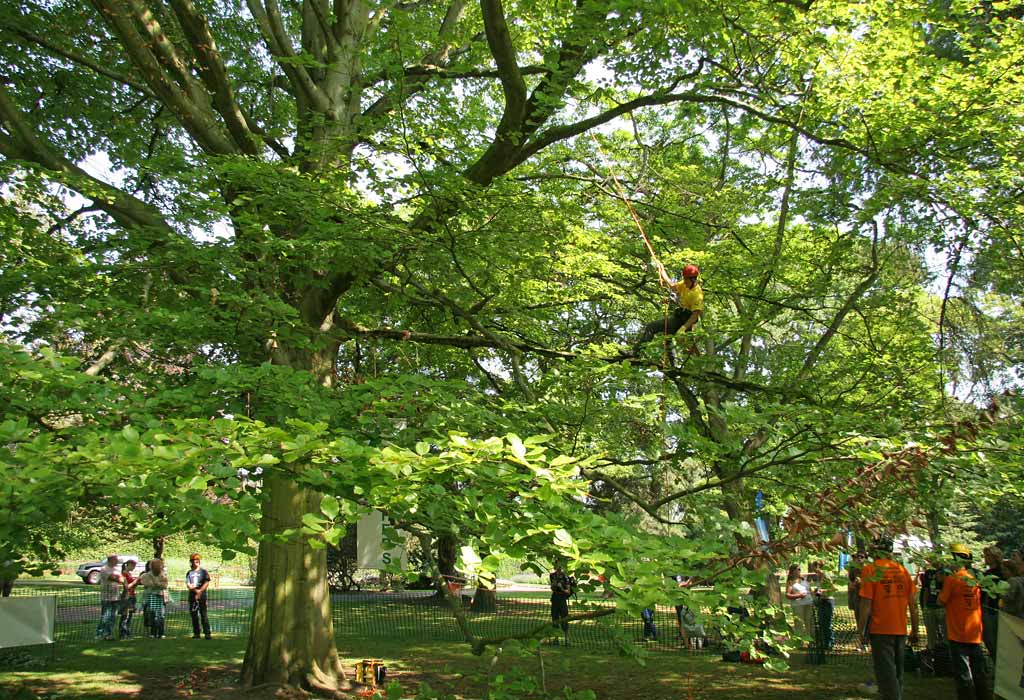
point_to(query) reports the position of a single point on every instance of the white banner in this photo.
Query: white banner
(1010, 658)
(370, 547)
(27, 621)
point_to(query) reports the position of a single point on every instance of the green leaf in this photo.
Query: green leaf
(329, 507)
(517, 447)
(313, 522)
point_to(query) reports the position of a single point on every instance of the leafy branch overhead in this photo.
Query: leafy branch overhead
(270, 265)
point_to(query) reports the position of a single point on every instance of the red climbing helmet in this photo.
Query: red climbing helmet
(690, 271)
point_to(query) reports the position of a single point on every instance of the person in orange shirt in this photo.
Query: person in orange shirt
(886, 594)
(961, 597)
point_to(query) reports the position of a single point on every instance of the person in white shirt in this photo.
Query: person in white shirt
(799, 595)
(110, 598)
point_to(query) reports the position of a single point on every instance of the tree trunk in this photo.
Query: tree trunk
(158, 547)
(934, 528)
(291, 638)
(484, 600)
(446, 556)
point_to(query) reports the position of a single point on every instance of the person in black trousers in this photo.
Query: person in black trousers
(561, 590)
(197, 580)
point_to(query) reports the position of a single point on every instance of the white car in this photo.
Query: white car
(89, 572)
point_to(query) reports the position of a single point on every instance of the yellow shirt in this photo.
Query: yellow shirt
(689, 299)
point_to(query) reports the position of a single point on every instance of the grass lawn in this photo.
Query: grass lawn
(206, 670)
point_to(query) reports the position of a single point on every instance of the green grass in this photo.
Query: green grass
(420, 643)
(207, 670)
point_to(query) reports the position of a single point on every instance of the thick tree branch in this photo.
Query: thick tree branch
(167, 54)
(330, 35)
(510, 132)
(500, 42)
(436, 59)
(214, 74)
(200, 123)
(105, 359)
(280, 46)
(575, 52)
(454, 600)
(21, 143)
(348, 329)
(480, 645)
(435, 71)
(560, 133)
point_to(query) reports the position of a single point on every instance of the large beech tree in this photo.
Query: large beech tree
(262, 210)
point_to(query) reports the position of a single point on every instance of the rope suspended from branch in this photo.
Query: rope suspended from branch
(663, 408)
(629, 205)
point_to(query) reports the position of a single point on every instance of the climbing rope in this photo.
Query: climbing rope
(663, 410)
(629, 205)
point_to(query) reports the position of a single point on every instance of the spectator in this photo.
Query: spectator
(129, 581)
(886, 593)
(853, 582)
(110, 597)
(989, 602)
(145, 618)
(155, 602)
(799, 595)
(8, 573)
(934, 614)
(824, 607)
(691, 631)
(961, 595)
(1013, 600)
(561, 589)
(650, 629)
(197, 580)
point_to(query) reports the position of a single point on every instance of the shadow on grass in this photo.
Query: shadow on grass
(178, 668)
(142, 668)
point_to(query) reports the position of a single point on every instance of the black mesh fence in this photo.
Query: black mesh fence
(79, 610)
(421, 615)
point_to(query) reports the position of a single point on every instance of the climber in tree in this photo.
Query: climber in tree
(691, 304)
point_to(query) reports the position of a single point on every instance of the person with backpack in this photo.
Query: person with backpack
(989, 602)
(110, 598)
(824, 608)
(886, 595)
(1012, 601)
(933, 612)
(798, 592)
(961, 596)
(650, 629)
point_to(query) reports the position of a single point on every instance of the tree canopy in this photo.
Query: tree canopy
(268, 265)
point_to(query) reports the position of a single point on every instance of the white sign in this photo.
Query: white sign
(27, 621)
(370, 544)
(1010, 658)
